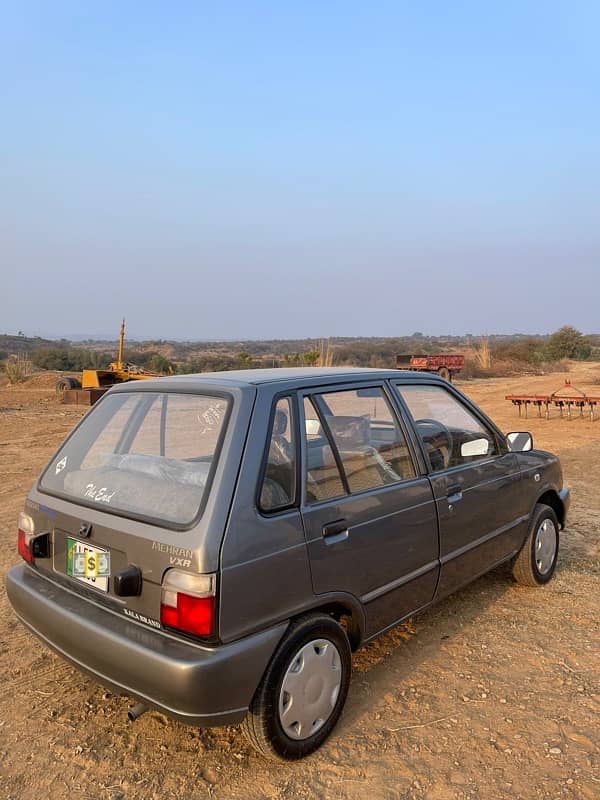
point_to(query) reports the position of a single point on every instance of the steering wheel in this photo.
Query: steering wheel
(438, 444)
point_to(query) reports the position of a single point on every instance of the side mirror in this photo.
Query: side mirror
(476, 447)
(519, 442)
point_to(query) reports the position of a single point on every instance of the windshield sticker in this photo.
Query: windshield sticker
(61, 465)
(211, 417)
(98, 494)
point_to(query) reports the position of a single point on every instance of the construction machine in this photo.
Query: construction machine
(94, 382)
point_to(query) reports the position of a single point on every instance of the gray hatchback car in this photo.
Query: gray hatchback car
(216, 545)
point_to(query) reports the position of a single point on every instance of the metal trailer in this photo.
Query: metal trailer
(445, 365)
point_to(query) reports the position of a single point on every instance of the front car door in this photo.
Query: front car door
(369, 517)
(475, 482)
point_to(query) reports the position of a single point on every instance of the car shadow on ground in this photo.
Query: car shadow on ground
(387, 662)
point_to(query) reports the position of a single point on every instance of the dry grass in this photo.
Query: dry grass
(483, 354)
(325, 354)
(18, 368)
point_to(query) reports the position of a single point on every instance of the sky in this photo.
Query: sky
(241, 170)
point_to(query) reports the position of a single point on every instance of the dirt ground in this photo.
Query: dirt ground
(494, 693)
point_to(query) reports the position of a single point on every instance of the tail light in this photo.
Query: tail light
(188, 602)
(26, 532)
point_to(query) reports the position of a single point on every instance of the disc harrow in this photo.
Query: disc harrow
(567, 399)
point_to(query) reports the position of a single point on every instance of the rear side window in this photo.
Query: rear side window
(323, 479)
(279, 482)
(371, 446)
(143, 454)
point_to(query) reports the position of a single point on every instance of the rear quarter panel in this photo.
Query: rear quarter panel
(265, 574)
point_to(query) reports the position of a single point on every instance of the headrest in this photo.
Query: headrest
(350, 433)
(280, 422)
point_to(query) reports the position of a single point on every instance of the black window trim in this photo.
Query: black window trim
(270, 512)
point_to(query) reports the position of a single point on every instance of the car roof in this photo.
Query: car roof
(285, 375)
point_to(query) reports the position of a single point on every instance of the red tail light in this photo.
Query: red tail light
(25, 536)
(188, 602)
(23, 547)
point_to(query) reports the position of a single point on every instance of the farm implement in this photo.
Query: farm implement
(568, 398)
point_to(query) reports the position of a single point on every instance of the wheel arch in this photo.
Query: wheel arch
(345, 610)
(550, 498)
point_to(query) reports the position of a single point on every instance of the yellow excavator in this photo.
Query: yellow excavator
(94, 382)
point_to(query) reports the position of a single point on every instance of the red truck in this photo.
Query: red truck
(445, 365)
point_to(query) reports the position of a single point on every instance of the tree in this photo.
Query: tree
(568, 342)
(311, 358)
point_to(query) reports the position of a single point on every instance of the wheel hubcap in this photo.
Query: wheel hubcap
(310, 689)
(545, 546)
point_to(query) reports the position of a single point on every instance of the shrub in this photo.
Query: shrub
(70, 359)
(567, 342)
(18, 368)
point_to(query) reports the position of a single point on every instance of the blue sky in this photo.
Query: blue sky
(255, 169)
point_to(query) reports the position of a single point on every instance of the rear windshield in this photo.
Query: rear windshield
(142, 454)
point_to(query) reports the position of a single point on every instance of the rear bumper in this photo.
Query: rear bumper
(565, 499)
(203, 686)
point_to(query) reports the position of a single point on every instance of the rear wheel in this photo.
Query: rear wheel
(444, 373)
(536, 561)
(303, 691)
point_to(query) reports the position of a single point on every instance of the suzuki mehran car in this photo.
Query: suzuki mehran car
(217, 545)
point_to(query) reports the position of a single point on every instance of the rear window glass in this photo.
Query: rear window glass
(143, 454)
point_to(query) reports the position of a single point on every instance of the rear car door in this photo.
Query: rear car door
(369, 517)
(475, 481)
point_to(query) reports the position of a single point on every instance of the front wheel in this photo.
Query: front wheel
(536, 561)
(303, 691)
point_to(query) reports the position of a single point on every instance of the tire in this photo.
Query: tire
(64, 383)
(275, 733)
(535, 563)
(444, 373)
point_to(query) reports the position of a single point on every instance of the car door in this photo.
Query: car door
(475, 482)
(369, 517)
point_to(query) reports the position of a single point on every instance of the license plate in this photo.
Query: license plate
(88, 564)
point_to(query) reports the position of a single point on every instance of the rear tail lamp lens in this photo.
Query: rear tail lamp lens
(25, 536)
(188, 602)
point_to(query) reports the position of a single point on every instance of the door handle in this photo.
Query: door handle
(454, 493)
(335, 532)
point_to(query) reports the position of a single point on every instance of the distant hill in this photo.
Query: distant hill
(13, 345)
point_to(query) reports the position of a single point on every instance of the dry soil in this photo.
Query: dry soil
(493, 693)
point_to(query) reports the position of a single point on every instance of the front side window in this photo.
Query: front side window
(278, 486)
(143, 454)
(451, 434)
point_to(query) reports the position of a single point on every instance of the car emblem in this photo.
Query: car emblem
(85, 529)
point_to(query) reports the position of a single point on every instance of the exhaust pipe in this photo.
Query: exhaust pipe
(136, 712)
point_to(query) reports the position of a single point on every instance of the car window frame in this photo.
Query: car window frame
(313, 393)
(294, 504)
(462, 400)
